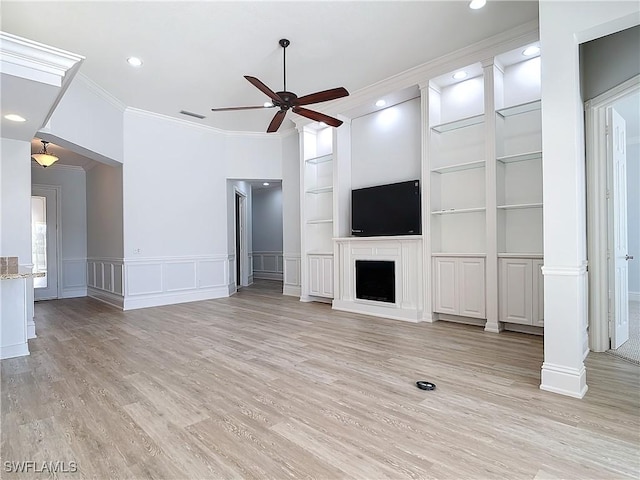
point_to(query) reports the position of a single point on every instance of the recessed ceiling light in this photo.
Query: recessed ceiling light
(460, 75)
(15, 118)
(134, 61)
(267, 104)
(532, 50)
(380, 103)
(476, 4)
(266, 184)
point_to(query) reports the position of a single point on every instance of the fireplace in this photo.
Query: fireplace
(376, 280)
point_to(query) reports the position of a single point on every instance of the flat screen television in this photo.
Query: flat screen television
(392, 209)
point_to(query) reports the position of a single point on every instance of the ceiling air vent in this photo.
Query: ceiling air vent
(191, 114)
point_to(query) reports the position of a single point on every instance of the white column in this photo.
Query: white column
(427, 312)
(563, 25)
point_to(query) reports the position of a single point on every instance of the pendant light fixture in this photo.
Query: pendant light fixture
(43, 158)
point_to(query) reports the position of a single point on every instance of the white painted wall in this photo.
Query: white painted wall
(88, 121)
(386, 146)
(291, 214)
(266, 214)
(253, 156)
(563, 26)
(73, 223)
(15, 196)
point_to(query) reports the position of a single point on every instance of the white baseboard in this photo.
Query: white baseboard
(11, 351)
(74, 292)
(564, 380)
(31, 331)
(634, 296)
(528, 329)
(231, 289)
(292, 290)
(112, 299)
(146, 301)
(392, 312)
(268, 275)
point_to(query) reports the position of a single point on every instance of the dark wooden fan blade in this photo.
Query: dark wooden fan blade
(277, 121)
(238, 108)
(263, 88)
(317, 116)
(323, 96)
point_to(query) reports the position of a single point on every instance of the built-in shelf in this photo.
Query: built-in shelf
(460, 166)
(520, 255)
(521, 157)
(320, 190)
(519, 206)
(320, 159)
(518, 109)
(323, 220)
(458, 210)
(457, 124)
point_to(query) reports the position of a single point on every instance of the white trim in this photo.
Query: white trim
(564, 270)
(206, 128)
(74, 292)
(152, 300)
(564, 380)
(634, 296)
(597, 210)
(57, 166)
(104, 296)
(11, 351)
(292, 290)
(58, 191)
(101, 92)
(378, 310)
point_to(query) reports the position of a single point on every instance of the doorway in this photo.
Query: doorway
(240, 237)
(613, 137)
(45, 241)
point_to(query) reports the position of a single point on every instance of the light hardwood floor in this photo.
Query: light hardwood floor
(262, 386)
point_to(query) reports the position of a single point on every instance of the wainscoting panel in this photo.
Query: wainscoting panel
(105, 280)
(268, 265)
(179, 276)
(151, 282)
(291, 264)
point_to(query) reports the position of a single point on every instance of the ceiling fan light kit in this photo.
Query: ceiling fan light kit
(286, 100)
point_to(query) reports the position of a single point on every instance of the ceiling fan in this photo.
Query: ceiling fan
(288, 100)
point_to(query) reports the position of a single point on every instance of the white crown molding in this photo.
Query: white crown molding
(58, 166)
(101, 92)
(186, 123)
(35, 61)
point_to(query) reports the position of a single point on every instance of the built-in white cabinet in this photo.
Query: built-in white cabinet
(317, 182)
(521, 291)
(321, 275)
(459, 286)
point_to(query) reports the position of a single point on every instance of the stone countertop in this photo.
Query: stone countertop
(21, 274)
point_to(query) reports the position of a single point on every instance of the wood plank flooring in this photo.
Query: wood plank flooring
(262, 386)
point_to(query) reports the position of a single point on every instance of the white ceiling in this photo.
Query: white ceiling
(196, 53)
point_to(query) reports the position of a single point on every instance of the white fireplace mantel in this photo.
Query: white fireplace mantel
(405, 251)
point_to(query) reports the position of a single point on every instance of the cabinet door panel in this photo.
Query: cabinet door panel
(315, 271)
(445, 291)
(516, 291)
(471, 287)
(538, 294)
(327, 277)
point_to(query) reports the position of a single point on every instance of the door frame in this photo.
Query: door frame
(598, 178)
(57, 189)
(242, 243)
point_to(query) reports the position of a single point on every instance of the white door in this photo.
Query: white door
(44, 235)
(618, 154)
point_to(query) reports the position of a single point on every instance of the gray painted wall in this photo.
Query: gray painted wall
(609, 61)
(104, 212)
(267, 219)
